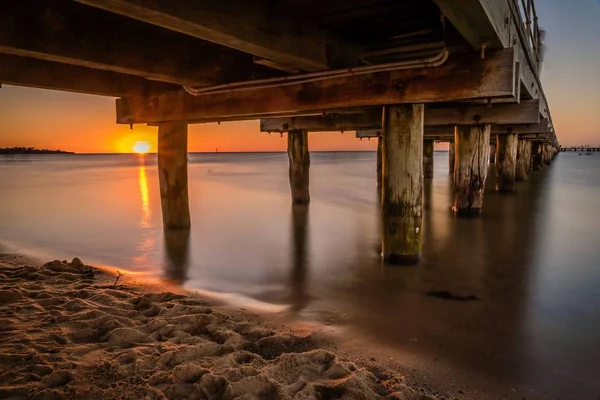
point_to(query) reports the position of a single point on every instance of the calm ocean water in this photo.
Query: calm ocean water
(532, 260)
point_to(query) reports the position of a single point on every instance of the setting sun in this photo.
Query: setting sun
(141, 147)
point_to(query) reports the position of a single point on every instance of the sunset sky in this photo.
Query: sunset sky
(85, 124)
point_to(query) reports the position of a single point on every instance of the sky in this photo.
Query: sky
(86, 124)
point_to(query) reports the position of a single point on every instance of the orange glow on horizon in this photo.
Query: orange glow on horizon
(85, 124)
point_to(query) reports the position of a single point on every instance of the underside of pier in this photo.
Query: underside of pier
(409, 71)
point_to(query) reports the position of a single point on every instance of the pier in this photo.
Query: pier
(581, 149)
(407, 72)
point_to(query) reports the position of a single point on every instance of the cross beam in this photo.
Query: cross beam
(75, 34)
(462, 77)
(480, 22)
(29, 72)
(447, 132)
(526, 112)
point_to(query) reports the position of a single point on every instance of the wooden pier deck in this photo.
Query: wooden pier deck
(407, 71)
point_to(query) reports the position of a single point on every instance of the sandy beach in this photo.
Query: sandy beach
(69, 331)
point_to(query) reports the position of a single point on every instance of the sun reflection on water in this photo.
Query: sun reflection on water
(147, 240)
(146, 211)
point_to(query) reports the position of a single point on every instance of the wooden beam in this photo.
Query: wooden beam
(29, 72)
(75, 34)
(263, 28)
(449, 138)
(540, 127)
(463, 77)
(532, 129)
(369, 133)
(367, 119)
(447, 132)
(479, 21)
(527, 112)
(275, 65)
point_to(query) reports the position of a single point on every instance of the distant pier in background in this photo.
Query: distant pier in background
(581, 149)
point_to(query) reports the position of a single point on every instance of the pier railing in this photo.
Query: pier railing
(529, 19)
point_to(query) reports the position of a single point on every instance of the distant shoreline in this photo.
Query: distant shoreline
(204, 152)
(31, 150)
(12, 151)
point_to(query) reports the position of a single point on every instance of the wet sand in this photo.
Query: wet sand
(73, 331)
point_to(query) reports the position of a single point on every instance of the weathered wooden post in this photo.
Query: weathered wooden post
(547, 155)
(172, 174)
(472, 157)
(299, 166)
(428, 158)
(506, 162)
(402, 184)
(492, 153)
(521, 171)
(177, 244)
(451, 157)
(543, 150)
(379, 147)
(528, 155)
(536, 156)
(300, 257)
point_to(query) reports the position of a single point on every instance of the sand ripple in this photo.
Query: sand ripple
(66, 334)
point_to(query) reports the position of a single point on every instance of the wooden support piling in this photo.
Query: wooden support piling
(300, 258)
(299, 166)
(547, 156)
(544, 154)
(402, 183)
(177, 253)
(451, 157)
(528, 155)
(506, 162)
(379, 156)
(522, 160)
(492, 154)
(536, 156)
(172, 174)
(472, 157)
(428, 158)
